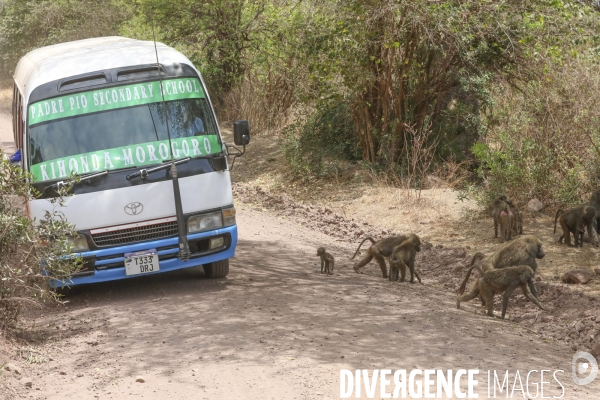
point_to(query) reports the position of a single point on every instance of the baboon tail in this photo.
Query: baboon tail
(360, 245)
(558, 213)
(463, 285)
(477, 256)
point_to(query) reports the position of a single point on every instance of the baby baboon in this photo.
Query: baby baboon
(379, 249)
(575, 221)
(502, 216)
(517, 221)
(595, 202)
(498, 281)
(404, 255)
(524, 250)
(327, 260)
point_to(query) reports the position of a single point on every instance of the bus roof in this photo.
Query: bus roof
(62, 60)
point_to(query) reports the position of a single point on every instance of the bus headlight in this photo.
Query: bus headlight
(79, 243)
(229, 216)
(204, 222)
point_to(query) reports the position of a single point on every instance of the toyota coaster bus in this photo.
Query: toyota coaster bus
(154, 189)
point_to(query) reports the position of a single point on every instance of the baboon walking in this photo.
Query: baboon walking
(378, 250)
(327, 260)
(498, 281)
(525, 250)
(575, 221)
(403, 256)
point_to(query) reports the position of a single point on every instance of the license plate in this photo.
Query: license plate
(141, 262)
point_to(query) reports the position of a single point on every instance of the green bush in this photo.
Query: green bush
(543, 141)
(25, 245)
(316, 145)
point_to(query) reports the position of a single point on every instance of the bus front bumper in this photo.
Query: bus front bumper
(109, 264)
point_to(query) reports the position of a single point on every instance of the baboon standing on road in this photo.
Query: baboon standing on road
(404, 256)
(575, 221)
(504, 280)
(379, 249)
(502, 216)
(327, 260)
(525, 250)
(517, 220)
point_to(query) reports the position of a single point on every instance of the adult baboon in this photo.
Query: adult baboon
(502, 216)
(595, 202)
(525, 250)
(498, 281)
(517, 220)
(379, 249)
(505, 220)
(404, 256)
(575, 221)
(327, 260)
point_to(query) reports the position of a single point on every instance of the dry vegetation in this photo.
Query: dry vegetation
(5, 99)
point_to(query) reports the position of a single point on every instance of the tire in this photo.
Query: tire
(217, 269)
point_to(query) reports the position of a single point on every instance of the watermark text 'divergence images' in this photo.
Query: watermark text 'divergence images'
(464, 383)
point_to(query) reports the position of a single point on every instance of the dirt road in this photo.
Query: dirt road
(275, 328)
(6, 136)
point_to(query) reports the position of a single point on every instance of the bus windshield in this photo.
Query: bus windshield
(119, 127)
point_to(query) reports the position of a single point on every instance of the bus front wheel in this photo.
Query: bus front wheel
(217, 269)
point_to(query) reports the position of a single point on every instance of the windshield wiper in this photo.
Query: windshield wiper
(82, 178)
(143, 173)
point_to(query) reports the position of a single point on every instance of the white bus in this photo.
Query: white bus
(94, 108)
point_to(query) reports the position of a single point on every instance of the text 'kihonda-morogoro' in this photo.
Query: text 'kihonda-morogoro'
(128, 126)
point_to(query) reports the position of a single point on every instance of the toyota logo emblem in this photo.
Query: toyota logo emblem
(134, 208)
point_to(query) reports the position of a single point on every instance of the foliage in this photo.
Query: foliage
(217, 35)
(315, 146)
(544, 141)
(24, 247)
(417, 64)
(429, 65)
(416, 82)
(28, 24)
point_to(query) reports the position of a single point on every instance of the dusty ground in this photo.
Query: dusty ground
(6, 136)
(275, 328)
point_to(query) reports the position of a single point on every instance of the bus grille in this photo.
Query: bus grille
(138, 234)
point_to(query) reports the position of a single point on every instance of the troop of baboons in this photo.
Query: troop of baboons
(512, 266)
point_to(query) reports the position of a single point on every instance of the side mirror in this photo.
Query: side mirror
(241, 132)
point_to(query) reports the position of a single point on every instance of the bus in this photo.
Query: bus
(128, 127)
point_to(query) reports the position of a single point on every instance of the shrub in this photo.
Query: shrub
(543, 141)
(315, 145)
(22, 250)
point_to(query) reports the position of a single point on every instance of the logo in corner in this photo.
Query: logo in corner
(580, 368)
(134, 208)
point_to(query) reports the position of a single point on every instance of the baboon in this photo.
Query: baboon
(498, 281)
(505, 220)
(577, 232)
(575, 221)
(517, 221)
(379, 249)
(595, 202)
(404, 256)
(327, 260)
(524, 250)
(502, 216)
